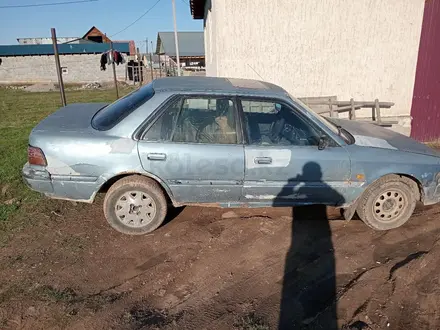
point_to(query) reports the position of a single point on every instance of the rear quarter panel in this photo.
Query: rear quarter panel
(80, 162)
(80, 165)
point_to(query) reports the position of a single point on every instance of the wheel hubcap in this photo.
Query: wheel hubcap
(135, 209)
(389, 205)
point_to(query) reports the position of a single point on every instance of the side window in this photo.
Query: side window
(271, 123)
(258, 107)
(206, 120)
(162, 129)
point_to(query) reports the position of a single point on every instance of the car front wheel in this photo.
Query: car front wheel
(388, 203)
(135, 205)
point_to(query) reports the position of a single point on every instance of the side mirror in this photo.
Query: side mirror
(323, 143)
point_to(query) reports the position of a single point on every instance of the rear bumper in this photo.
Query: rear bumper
(80, 189)
(36, 179)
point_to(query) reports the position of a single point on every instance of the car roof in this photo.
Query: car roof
(217, 85)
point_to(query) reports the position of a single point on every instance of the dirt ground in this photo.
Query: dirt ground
(210, 268)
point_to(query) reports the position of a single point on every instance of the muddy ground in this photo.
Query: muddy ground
(220, 269)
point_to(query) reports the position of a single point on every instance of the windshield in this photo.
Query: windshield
(322, 119)
(112, 114)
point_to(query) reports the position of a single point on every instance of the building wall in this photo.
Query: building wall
(94, 32)
(210, 26)
(81, 68)
(44, 41)
(364, 49)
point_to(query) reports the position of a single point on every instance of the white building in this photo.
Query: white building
(362, 49)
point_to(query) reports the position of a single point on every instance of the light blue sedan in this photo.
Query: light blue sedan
(228, 143)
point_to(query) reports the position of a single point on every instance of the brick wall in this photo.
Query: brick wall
(80, 68)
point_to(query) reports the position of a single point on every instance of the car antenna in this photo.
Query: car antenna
(256, 72)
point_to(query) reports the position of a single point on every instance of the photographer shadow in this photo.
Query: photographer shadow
(308, 299)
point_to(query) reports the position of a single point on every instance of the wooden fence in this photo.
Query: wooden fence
(330, 105)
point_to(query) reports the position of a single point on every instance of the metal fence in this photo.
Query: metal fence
(140, 72)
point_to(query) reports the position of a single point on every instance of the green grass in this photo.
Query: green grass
(20, 111)
(250, 322)
(48, 292)
(434, 144)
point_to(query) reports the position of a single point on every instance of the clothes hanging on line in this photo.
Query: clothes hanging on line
(103, 61)
(118, 58)
(110, 57)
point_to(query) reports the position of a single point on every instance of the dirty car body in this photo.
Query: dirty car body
(279, 152)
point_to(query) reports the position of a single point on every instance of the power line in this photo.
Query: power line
(136, 20)
(47, 4)
(186, 3)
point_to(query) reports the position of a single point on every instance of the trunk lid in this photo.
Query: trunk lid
(73, 117)
(369, 135)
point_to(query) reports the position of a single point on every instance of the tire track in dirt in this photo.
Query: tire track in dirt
(207, 288)
(242, 288)
(202, 308)
(399, 250)
(201, 271)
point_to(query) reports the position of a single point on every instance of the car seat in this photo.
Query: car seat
(277, 127)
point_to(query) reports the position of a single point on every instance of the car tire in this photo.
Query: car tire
(135, 205)
(388, 203)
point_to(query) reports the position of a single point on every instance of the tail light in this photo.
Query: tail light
(36, 156)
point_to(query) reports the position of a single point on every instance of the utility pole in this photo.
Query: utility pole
(114, 70)
(160, 66)
(141, 71)
(165, 64)
(58, 65)
(148, 55)
(175, 37)
(151, 61)
(146, 48)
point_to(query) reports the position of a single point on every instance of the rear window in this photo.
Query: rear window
(112, 114)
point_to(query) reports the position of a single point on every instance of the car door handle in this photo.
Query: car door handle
(263, 160)
(156, 156)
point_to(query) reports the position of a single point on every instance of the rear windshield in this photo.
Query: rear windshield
(112, 114)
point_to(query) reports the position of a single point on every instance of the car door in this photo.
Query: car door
(199, 156)
(283, 164)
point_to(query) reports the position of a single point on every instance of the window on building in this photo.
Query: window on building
(272, 123)
(98, 39)
(197, 120)
(64, 70)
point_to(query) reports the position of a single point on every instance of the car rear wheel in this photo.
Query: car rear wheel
(135, 205)
(388, 203)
